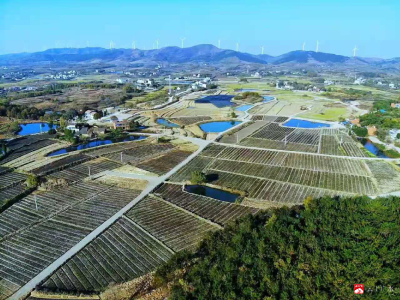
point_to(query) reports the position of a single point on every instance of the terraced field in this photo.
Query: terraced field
(12, 184)
(214, 210)
(176, 228)
(123, 252)
(60, 164)
(190, 120)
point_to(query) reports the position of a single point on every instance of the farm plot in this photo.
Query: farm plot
(263, 108)
(26, 254)
(190, 120)
(115, 148)
(164, 163)
(82, 171)
(10, 179)
(267, 118)
(198, 163)
(341, 145)
(122, 253)
(244, 131)
(214, 210)
(176, 228)
(386, 174)
(21, 142)
(26, 150)
(35, 207)
(362, 185)
(279, 145)
(273, 131)
(212, 150)
(60, 164)
(96, 210)
(141, 153)
(10, 193)
(263, 193)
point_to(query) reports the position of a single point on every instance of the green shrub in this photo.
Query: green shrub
(198, 177)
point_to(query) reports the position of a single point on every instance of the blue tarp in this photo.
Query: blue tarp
(218, 100)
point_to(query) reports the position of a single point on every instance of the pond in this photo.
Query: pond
(211, 192)
(33, 128)
(244, 107)
(217, 100)
(166, 123)
(96, 143)
(218, 126)
(304, 124)
(372, 148)
(267, 99)
(245, 90)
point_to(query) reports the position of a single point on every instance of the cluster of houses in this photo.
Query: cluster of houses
(201, 84)
(66, 75)
(16, 76)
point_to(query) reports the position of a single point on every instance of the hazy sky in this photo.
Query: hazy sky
(281, 25)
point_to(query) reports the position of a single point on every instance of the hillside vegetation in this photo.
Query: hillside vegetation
(316, 251)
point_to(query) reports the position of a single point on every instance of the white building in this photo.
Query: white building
(89, 114)
(122, 80)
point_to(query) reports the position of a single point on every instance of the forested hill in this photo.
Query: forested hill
(316, 251)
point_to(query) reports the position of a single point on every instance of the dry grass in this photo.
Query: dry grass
(127, 183)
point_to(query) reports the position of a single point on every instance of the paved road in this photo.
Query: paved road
(27, 288)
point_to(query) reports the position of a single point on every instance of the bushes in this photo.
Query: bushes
(360, 131)
(198, 177)
(316, 251)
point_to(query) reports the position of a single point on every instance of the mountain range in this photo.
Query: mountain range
(204, 53)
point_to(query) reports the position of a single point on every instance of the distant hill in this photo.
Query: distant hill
(197, 54)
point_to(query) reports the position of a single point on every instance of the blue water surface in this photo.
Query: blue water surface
(244, 107)
(217, 100)
(268, 99)
(373, 149)
(166, 123)
(211, 192)
(304, 124)
(218, 126)
(96, 143)
(33, 128)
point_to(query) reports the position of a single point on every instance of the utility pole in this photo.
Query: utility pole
(36, 203)
(90, 176)
(121, 158)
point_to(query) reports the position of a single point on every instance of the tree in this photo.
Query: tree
(315, 251)
(233, 115)
(98, 115)
(63, 123)
(360, 131)
(69, 135)
(198, 177)
(14, 127)
(398, 136)
(32, 181)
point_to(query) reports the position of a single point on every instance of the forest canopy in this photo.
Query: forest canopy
(316, 251)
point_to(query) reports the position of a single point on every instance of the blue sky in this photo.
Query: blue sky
(281, 26)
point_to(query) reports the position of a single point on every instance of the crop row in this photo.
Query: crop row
(190, 120)
(96, 210)
(10, 193)
(23, 213)
(138, 154)
(196, 164)
(261, 190)
(123, 252)
(296, 160)
(24, 141)
(279, 145)
(164, 163)
(362, 185)
(274, 119)
(273, 131)
(114, 148)
(337, 145)
(26, 150)
(26, 254)
(214, 210)
(60, 164)
(11, 178)
(176, 228)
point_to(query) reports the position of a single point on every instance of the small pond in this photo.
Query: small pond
(33, 128)
(166, 123)
(244, 107)
(304, 124)
(96, 143)
(372, 148)
(267, 99)
(245, 90)
(218, 126)
(211, 192)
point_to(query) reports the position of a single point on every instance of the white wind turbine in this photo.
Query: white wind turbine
(157, 43)
(134, 45)
(304, 46)
(182, 39)
(219, 44)
(112, 45)
(237, 46)
(262, 49)
(317, 46)
(354, 51)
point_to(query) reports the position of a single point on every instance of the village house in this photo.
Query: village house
(372, 130)
(395, 105)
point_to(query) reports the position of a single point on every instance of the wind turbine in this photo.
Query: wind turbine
(317, 46)
(354, 51)
(134, 45)
(237, 46)
(157, 44)
(112, 45)
(219, 44)
(304, 46)
(262, 49)
(182, 39)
